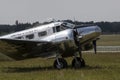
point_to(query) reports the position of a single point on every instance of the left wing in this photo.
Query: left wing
(22, 49)
(18, 41)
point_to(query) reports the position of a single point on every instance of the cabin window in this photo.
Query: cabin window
(19, 37)
(43, 33)
(30, 36)
(54, 30)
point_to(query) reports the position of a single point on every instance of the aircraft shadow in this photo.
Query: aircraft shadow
(32, 69)
(26, 69)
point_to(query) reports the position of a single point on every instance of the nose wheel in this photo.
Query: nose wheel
(60, 63)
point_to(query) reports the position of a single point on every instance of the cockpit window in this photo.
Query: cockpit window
(30, 36)
(68, 25)
(62, 27)
(58, 28)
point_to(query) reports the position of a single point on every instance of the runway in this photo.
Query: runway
(106, 49)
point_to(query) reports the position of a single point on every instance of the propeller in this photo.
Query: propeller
(94, 45)
(77, 41)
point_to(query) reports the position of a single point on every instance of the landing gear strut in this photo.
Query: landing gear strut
(78, 62)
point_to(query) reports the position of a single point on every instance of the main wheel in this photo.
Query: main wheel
(79, 63)
(61, 65)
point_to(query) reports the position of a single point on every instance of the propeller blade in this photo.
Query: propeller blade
(77, 41)
(94, 45)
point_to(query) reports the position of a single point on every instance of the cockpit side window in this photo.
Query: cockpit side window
(58, 28)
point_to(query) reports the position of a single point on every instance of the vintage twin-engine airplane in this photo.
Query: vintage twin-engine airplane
(56, 39)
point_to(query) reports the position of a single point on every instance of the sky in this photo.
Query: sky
(43, 10)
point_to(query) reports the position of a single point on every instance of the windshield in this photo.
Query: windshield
(68, 25)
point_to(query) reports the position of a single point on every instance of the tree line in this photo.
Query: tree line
(107, 27)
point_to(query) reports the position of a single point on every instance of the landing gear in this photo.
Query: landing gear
(78, 63)
(60, 63)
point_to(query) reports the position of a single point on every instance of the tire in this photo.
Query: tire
(80, 64)
(63, 64)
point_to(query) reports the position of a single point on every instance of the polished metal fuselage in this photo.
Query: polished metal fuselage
(62, 42)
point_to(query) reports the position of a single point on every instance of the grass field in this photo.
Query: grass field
(109, 40)
(103, 66)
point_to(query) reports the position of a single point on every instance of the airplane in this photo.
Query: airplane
(57, 40)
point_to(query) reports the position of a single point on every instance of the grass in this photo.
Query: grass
(103, 66)
(98, 67)
(109, 40)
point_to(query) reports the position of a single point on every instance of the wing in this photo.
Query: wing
(18, 41)
(23, 49)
